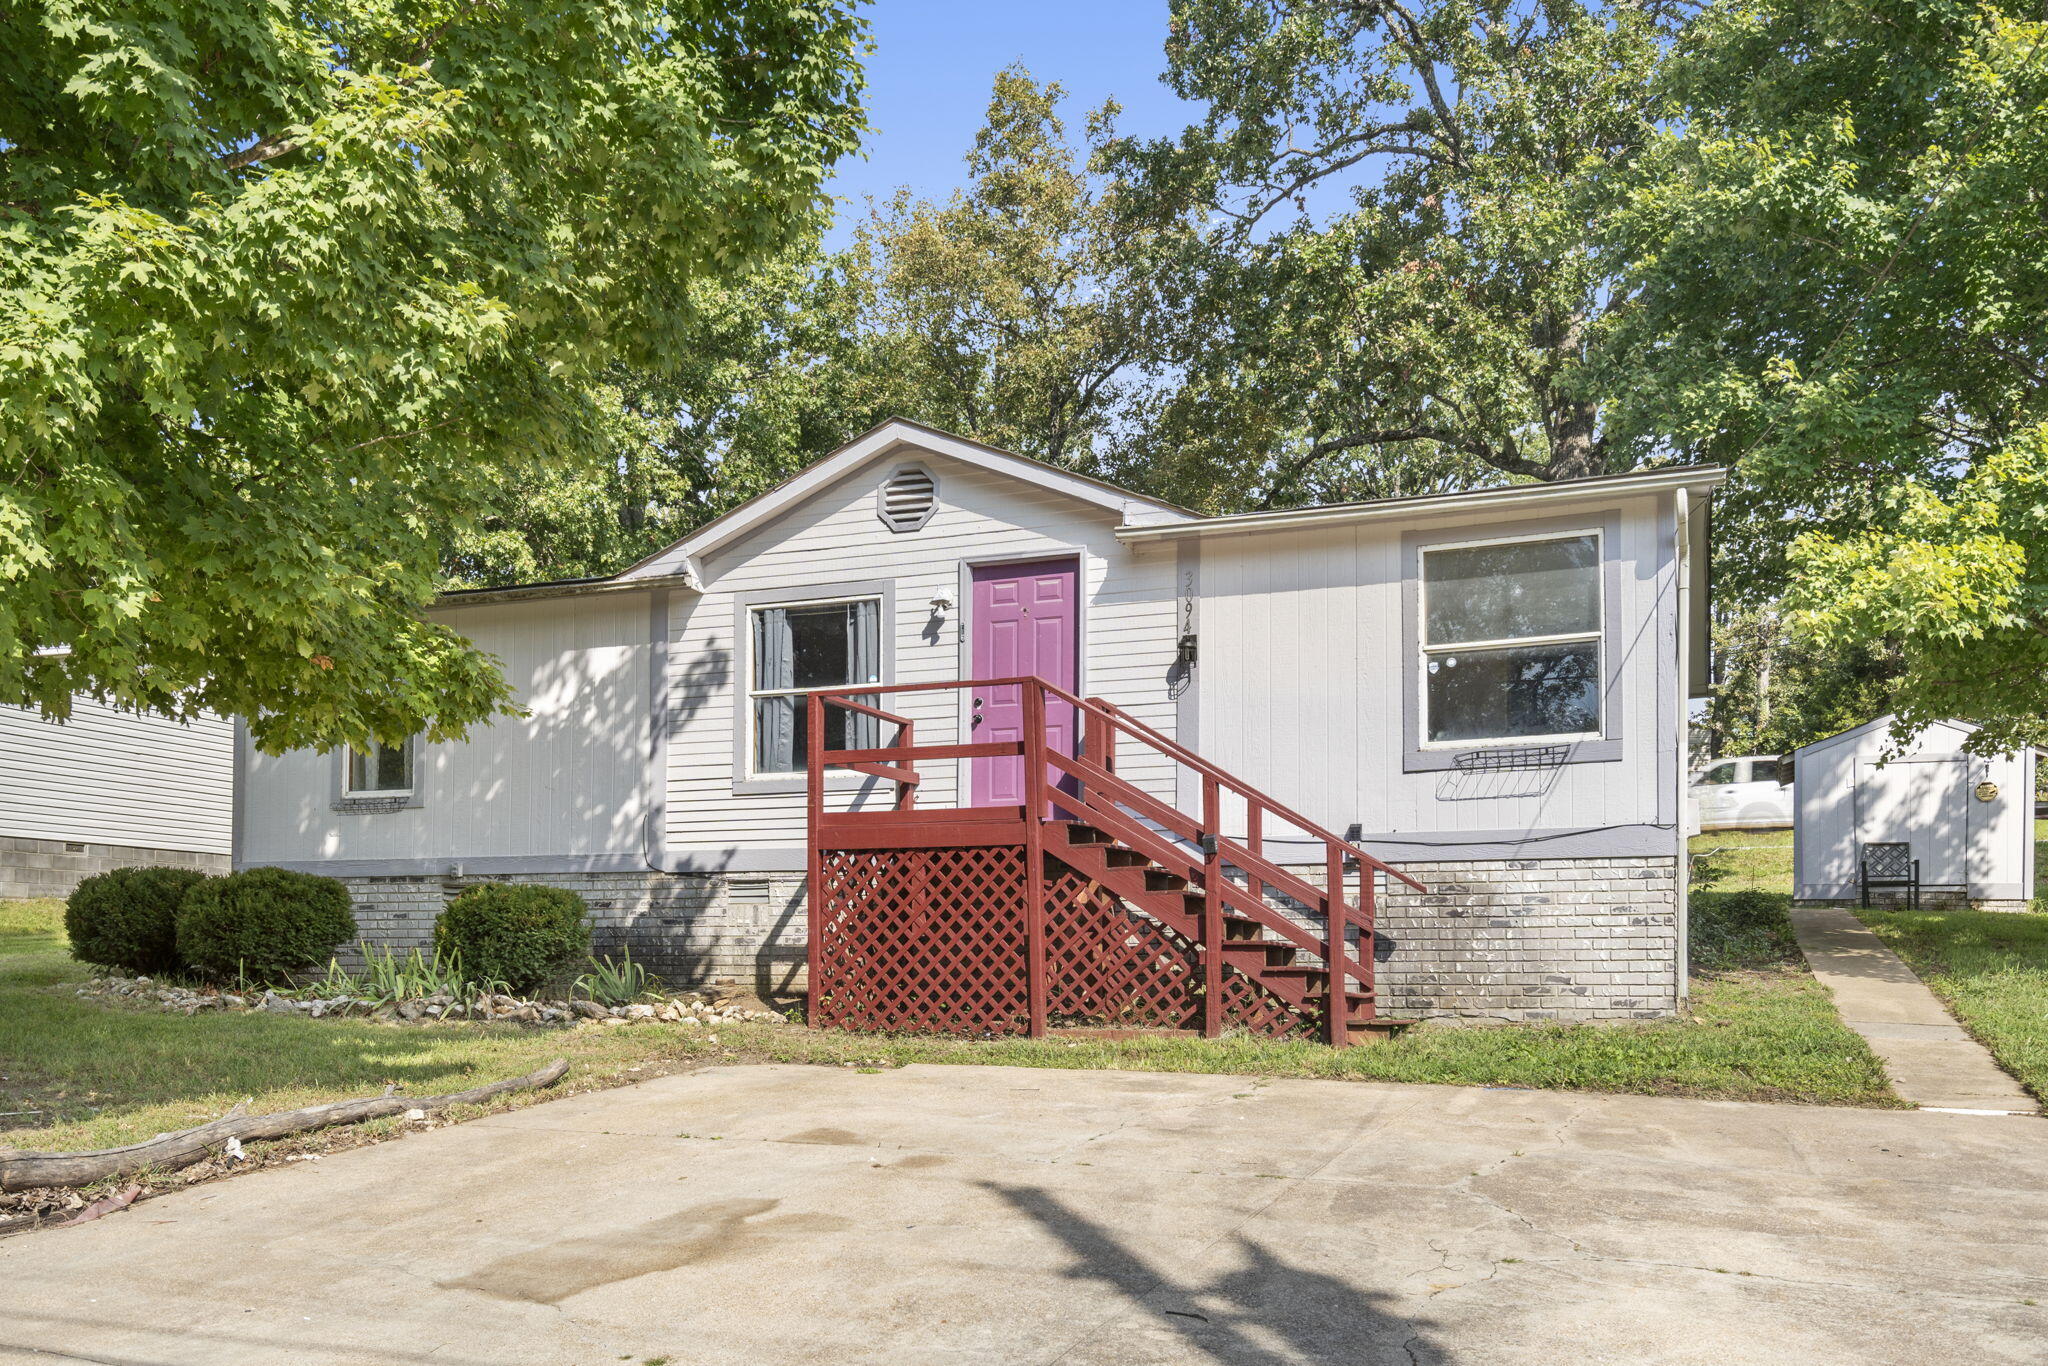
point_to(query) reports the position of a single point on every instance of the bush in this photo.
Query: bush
(1750, 929)
(263, 923)
(128, 918)
(518, 934)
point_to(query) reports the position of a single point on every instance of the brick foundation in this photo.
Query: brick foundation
(688, 929)
(1523, 939)
(1533, 939)
(35, 867)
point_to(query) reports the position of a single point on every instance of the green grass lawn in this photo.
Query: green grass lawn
(1991, 969)
(1759, 1029)
(1748, 860)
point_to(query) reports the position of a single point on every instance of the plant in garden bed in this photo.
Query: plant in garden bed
(262, 924)
(127, 918)
(520, 934)
(614, 981)
(387, 978)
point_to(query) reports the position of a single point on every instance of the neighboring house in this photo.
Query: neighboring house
(1743, 793)
(1965, 819)
(1486, 688)
(110, 789)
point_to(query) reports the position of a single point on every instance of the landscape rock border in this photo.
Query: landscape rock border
(685, 1008)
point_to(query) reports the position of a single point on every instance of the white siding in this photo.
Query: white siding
(1129, 630)
(1301, 678)
(570, 779)
(114, 777)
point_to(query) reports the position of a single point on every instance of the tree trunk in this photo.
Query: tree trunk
(168, 1152)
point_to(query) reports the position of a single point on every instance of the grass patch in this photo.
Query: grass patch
(1746, 860)
(31, 926)
(1991, 969)
(1759, 1028)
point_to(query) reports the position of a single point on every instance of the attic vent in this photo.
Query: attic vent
(907, 500)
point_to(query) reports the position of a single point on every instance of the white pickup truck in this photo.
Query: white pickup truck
(1742, 794)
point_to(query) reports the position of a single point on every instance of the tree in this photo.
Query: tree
(1777, 687)
(1840, 287)
(286, 292)
(1446, 325)
(1008, 312)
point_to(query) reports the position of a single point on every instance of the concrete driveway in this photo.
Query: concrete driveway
(770, 1215)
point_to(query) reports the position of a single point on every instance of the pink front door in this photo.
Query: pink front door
(1026, 624)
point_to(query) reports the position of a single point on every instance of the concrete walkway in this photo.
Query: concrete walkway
(780, 1216)
(1932, 1061)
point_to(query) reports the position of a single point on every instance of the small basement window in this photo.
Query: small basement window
(908, 499)
(379, 770)
(1511, 636)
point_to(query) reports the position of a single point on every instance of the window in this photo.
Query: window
(1511, 640)
(1718, 775)
(799, 650)
(379, 770)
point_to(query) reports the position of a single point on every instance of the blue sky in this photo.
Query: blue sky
(928, 80)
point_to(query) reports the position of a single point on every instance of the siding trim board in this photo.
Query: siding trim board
(1187, 702)
(1626, 841)
(1415, 756)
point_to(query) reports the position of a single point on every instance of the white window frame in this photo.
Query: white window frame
(1597, 635)
(751, 692)
(350, 792)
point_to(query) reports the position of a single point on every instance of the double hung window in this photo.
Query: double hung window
(1511, 640)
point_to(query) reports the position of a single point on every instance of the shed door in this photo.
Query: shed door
(1921, 801)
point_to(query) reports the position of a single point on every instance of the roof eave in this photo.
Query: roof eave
(1701, 477)
(478, 597)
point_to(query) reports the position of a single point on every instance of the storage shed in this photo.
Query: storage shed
(1965, 819)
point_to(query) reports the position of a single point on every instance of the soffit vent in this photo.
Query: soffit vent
(908, 499)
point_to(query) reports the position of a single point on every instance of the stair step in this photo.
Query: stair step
(1252, 956)
(1120, 857)
(1077, 833)
(1379, 1029)
(1236, 929)
(1159, 880)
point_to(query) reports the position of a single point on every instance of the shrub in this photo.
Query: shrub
(263, 923)
(517, 934)
(1742, 930)
(128, 918)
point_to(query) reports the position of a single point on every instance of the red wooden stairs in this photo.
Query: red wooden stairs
(1094, 902)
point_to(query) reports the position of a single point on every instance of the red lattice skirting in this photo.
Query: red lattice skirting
(935, 941)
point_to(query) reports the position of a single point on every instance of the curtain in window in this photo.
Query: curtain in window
(775, 718)
(863, 662)
(824, 646)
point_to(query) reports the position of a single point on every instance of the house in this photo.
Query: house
(1966, 819)
(1486, 690)
(110, 789)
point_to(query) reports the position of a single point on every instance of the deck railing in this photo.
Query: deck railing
(1084, 787)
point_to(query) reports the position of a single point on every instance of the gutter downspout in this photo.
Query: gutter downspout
(1683, 738)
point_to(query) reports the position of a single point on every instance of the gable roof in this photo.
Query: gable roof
(1142, 518)
(889, 439)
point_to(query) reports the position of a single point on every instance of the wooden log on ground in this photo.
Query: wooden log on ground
(21, 1171)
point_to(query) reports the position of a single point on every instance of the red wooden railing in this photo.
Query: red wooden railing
(1093, 794)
